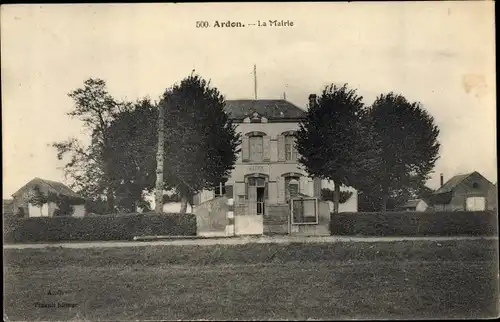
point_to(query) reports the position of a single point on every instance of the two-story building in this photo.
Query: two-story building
(267, 165)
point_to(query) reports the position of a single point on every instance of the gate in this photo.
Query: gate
(304, 211)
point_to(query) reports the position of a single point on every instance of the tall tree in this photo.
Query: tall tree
(328, 140)
(89, 167)
(132, 146)
(407, 141)
(201, 142)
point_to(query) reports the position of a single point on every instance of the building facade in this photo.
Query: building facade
(267, 168)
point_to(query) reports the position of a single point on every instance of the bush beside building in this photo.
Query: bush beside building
(478, 223)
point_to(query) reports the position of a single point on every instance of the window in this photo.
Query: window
(256, 148)
(304, 211)
(475, 185)
(290, 148)
(220, 190)
(256, 182)
(288, 191)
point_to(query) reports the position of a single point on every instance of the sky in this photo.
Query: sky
(441, 54)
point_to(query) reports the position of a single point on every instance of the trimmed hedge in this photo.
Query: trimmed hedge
(94, 228)
(479, 223)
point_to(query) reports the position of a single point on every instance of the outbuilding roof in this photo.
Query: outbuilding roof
(453, 183)
(412, 203)
(55, 186)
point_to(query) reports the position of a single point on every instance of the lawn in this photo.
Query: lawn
(256, 281)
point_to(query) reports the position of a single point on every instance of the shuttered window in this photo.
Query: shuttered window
(290, 148)
(256, 148)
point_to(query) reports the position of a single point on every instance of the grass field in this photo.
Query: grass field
(412, 280)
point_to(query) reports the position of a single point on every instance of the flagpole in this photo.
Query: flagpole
(255, 80)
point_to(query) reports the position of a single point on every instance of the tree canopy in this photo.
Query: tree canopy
(327, 140)
(405, 146)
(89, 167)
(201, 142)
(132, 136)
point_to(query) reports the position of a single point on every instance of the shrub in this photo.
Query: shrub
(93, 228)
(480, 223)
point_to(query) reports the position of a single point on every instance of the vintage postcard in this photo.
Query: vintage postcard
(249, 161)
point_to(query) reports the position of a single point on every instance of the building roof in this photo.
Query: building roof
(451, 184)
(412, 203)
(444, 194)
(57, 187)
(270, 109)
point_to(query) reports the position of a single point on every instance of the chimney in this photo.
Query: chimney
(312, 100)
(441, 180)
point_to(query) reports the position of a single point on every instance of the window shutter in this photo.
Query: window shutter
(245, 148)
(303, 185)
(229, 191)
(252, 200)
(196, 199)
(310, 186)
(281, 148)
(280, 183)
(267, 148)
(239, 190)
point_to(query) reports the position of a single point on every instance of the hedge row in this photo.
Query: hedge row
(109, 227)
(480, 223)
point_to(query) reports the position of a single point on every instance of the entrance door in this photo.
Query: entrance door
(257, 194)
(260, 200)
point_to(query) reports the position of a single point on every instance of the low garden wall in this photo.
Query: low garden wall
(479, 223)
(97, 228)
(211, 218)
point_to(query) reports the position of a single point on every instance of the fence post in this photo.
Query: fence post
(230, 218)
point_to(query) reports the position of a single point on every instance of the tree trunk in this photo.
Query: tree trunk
(183, 205)
(110, 201)
(159, 162)
(385, 197)
(336, 198)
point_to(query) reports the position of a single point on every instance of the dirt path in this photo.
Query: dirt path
(235, 241)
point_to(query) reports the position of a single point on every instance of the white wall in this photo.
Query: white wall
(175, 207)
(79, 211)
(421, 206)
(35, 211)
(351, 205)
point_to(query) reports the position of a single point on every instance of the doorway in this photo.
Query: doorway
(260, 200)
(257, 195)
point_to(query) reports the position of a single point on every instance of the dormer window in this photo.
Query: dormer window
(256, 118)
